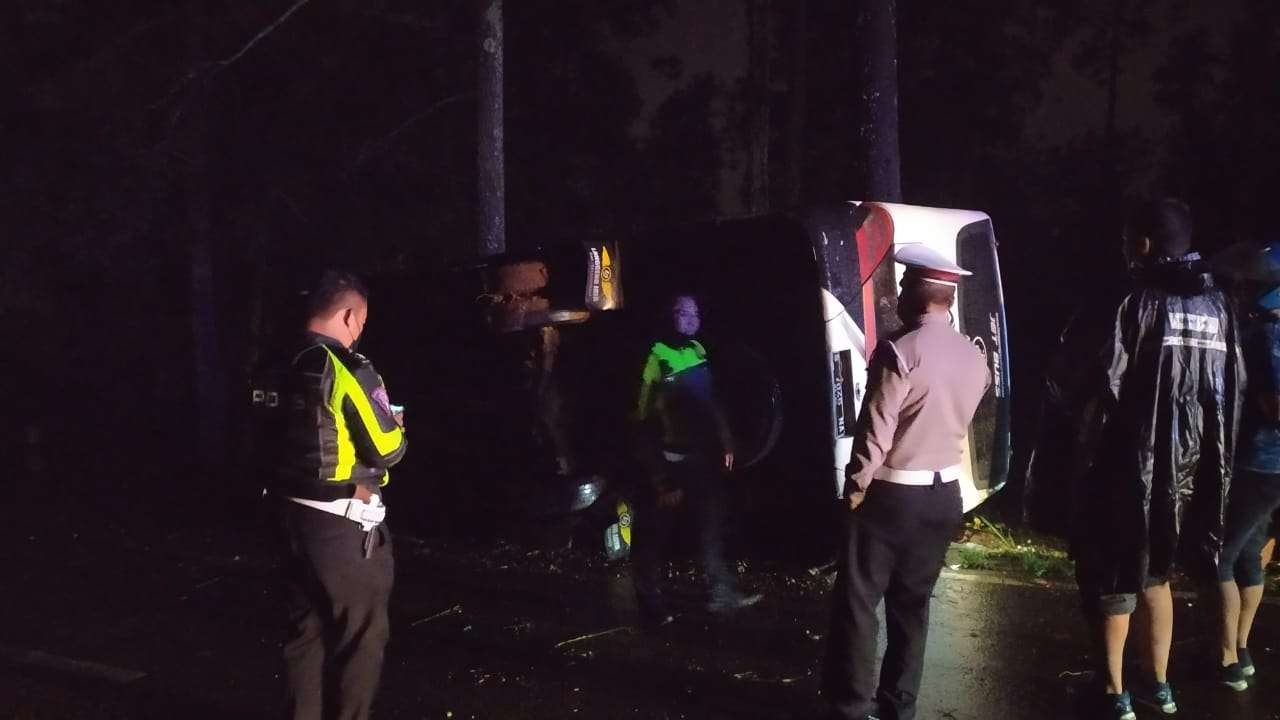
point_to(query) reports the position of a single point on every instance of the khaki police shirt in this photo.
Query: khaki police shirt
(922, 391)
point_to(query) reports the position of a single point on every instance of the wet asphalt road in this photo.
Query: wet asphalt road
(500, 631)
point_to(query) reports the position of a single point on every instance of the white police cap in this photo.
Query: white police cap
(925, 263)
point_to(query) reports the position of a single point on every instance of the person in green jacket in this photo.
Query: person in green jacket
(689, 447)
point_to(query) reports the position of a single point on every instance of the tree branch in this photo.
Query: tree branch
(376, 147)
(267, 31)
(403, 19)
(220, 64)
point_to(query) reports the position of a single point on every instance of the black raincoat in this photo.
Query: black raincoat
(1138, 429)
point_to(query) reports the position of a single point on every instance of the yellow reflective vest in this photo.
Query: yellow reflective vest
(338, 426)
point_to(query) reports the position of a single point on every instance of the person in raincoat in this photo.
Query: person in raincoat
(1255, 490)
(1151, 384)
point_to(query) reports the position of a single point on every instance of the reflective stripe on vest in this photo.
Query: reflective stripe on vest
(666, 362)
(674, 362)
(345, 385)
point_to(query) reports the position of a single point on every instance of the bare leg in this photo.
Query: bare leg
(1115, 629)
(1159, 604)
(1229, 593)
(1250, 599)
(1140, 628)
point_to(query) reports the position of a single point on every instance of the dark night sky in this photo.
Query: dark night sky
(709, 36)
(1072, 104)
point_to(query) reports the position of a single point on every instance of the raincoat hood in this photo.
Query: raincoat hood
(1182, 276)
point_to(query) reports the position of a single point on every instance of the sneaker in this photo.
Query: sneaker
(1246, 662)
(728, 602)
(1162, 698)
(1233, 677)
(1121, 706)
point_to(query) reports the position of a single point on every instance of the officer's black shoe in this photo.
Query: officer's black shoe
(730, 601)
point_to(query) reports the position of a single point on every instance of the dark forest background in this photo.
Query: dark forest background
(169, 164)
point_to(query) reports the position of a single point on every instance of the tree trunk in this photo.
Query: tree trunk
(1113, 73)
(877, 43)
(492, 239)
(798, 101)
(209, 376)
(1111, 145)
(759, 16)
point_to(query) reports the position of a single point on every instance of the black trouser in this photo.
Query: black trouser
(705, 500)
(895, 543)
(337, 613)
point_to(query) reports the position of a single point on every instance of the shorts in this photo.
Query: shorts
(1119, 603)
(1096, 578)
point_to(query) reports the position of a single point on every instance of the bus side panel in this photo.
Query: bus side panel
(982, 319)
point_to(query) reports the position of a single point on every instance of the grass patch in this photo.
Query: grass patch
(999, 531)
(975, 558)
(1047, 564)
(992, 546)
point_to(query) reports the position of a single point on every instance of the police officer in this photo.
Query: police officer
(901, 493)
(690, 448)
(338, 438)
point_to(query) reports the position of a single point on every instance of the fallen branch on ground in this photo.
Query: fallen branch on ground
(592, 636)
(751, 676)
(455, 610)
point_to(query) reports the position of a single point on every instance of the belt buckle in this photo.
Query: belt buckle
(369, 515)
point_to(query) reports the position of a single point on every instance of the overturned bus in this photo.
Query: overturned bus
(520, 380)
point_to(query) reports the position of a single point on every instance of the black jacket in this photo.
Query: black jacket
(336, 429)
(1141, 413)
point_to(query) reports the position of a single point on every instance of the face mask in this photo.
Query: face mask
(355, 339)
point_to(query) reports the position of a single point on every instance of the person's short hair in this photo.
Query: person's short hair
(930, 293)
(329, 290)
(1166, 221)
(675, 295)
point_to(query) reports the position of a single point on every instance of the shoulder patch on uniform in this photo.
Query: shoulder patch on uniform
(379, 397)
